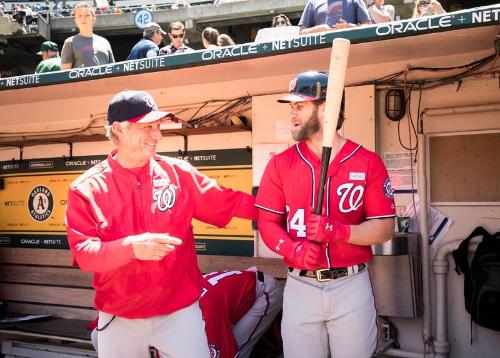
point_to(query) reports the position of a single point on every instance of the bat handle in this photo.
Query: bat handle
(325, 162)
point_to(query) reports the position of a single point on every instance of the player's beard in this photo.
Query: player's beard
(312, 126)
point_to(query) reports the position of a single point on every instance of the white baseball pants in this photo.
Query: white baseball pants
(180, 334)
(334, 318)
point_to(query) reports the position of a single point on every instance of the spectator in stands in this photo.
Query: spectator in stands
(57, 8)
(152, 37)
(31, 17)
(86, 48)
(101, 6)
(66, 9)
(51, 61)
(225, 40)
(5, 16)
(176, 33)
(216, 2)
(380, 13)
(281, 20)
(20, 16)
(180, 4)
(209, 37)
(319, 17)
(427, 8)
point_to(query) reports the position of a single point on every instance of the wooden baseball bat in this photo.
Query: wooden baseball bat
(336, 77)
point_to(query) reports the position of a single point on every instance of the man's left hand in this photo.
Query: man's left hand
(324, 229)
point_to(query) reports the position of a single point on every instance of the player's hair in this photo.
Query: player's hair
(341, 120)
(110, 134)
(176, 25)
(210, 35)
(84, 5)
(225, 40)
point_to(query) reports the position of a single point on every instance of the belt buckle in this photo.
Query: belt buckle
(319, 276)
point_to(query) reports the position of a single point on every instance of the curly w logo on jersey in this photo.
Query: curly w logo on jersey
(165, 197)
(351, 197)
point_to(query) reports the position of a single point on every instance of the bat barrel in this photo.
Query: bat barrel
(336, 78)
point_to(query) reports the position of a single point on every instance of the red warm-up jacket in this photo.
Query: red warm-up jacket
(108, 203)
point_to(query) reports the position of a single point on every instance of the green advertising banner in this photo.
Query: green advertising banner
(33, 200)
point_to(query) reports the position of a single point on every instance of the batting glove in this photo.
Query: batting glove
(307, 255)
(325, 229)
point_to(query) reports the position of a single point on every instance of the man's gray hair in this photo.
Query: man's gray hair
(148, 33)
(110, 134)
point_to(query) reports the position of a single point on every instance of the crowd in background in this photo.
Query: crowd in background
(61, 8)
(88, 49)
(26, 14)
(375, 10)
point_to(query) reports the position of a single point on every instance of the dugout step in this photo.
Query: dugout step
(17, 349)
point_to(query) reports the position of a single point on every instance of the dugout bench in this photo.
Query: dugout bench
(44, 282)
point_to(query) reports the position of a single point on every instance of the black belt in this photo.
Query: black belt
(331, 273)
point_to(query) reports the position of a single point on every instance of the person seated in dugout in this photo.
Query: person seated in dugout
(237, 307)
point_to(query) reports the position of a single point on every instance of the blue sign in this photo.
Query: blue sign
(142, 17)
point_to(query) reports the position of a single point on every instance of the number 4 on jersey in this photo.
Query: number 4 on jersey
(297, 222)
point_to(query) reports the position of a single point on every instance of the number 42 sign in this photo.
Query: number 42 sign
(142, 17)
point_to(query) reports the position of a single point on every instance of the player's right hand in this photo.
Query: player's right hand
(307, 255)
(152, 246)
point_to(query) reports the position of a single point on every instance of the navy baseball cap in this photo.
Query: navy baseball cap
(307, 86)
(135, 107)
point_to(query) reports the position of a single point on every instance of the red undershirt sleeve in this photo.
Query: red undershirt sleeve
(272, 220)
(276, 238)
